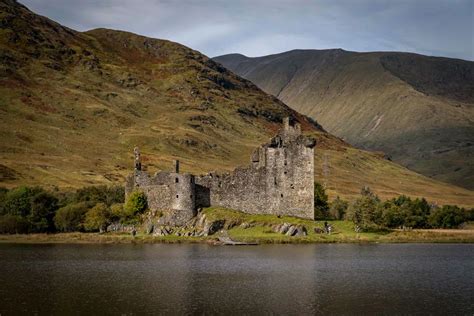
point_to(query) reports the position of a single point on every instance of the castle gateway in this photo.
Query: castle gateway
(278, 181)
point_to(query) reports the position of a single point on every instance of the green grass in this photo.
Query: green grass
(343, 231)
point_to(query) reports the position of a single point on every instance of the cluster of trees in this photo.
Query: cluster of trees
(36, 210)
(369, 213)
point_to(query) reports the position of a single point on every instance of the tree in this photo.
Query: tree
(115, 194)
(70, 217)
(366, 212)
(136, 204)
(321, 206)
(92, 194)
(42, 211)
(13, 224)
(100, 194)
(449, 216)
(118, 212)
(3, 194)
(392, 215)
(98, 217)
(338, 208)
(470, 214)
(18, 201)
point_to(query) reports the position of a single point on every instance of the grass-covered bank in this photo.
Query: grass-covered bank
(260, 231)
(252, 235)
(78, 216)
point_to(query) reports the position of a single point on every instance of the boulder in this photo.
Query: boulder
(276, 228)
(201, 219)
(149, 228)
(284, 228)
(213, 227)
(118, 227)
(245, 225)
(301, 231)
(296, 230)
(162, 231)
(292, 230)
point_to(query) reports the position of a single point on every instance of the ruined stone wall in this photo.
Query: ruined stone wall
(166, 191)
(279, 181)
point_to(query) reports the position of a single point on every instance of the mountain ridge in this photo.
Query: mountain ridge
(418, 109)
(73, 105)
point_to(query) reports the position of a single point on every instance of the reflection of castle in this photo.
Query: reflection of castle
(279, 180)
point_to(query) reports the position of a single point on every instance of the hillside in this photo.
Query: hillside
(73, 105)
(419, 110)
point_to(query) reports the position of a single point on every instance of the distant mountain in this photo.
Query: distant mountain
(417, 109)
(73, 105)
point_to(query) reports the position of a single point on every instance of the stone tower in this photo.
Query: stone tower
(279, 180)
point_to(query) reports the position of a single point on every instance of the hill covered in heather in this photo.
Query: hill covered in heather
(74, 104)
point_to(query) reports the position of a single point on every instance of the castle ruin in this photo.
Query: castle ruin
(278, 181)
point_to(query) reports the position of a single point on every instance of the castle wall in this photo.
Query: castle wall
(279, 181)
(168, 192)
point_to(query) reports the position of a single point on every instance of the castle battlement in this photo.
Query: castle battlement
(279, 180)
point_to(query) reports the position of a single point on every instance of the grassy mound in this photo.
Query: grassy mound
(260, 230)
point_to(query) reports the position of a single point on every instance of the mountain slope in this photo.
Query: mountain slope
(417, 109)
(73, 105)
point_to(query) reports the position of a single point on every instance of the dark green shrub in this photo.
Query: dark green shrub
(136, 204)
(42, 211)
(392, 216)
(13, 224)
(448, 216)
(115, 194)
(98, 218)
(470, 214)
(3, 193)
(366, 212)
(100, 194)
(338, 208)
(118, 212)
(321, 205)
(18, 201)
(71, 217)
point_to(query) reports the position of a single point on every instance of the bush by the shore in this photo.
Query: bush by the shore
(369, 213)
(36, 210)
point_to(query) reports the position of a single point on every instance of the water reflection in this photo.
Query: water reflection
(195, 279)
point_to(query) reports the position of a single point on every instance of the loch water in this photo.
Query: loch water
(331, 279)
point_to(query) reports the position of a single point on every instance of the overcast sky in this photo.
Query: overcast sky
(262, 27)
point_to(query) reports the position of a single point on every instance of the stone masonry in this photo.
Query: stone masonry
(279, 181)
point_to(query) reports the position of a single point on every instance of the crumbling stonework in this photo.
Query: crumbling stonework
(170, 192)
(279, 180)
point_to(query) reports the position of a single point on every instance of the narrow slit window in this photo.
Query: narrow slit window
(176, 180)
(177, 196)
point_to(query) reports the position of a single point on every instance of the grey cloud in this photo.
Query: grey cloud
(253, 28)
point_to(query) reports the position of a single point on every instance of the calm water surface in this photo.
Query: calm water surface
(274, 279)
